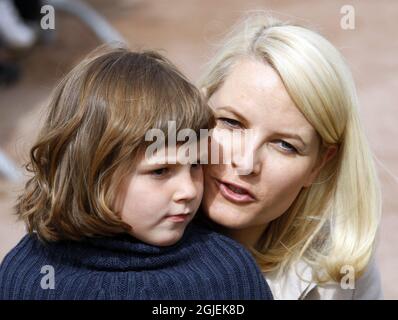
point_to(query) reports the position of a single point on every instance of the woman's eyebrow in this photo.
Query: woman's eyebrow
(236, 113)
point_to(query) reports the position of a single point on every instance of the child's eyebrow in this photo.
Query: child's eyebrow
(173, 160)
(176, 163)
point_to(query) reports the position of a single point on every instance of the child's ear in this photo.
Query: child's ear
(204, 91)
(328, 155)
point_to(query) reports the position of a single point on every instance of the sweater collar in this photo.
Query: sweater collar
(126, 253)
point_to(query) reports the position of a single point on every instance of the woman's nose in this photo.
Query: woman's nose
(246, 165)
(248, 162)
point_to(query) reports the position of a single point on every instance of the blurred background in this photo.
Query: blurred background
(32, 59)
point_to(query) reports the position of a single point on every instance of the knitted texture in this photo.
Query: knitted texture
(202, 265)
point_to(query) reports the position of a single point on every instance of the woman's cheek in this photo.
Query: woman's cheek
(199, 185)
(289, 176)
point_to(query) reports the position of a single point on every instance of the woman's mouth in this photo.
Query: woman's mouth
(234, 193)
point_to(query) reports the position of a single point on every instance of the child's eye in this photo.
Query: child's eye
(196, 165)
(287, 146)
(160, 172)
(230, 122)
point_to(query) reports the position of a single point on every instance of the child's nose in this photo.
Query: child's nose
(186, 189)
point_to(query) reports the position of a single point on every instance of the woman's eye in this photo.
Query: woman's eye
(287, 146)
(230, 122)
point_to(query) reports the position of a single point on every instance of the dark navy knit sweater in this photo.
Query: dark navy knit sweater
(202, 265)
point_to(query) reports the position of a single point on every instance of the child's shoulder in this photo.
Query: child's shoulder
(24, 267)
(12, 267)
(28, 241)
(28, 246)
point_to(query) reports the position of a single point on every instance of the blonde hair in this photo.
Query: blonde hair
(94, 131)
(333, 222)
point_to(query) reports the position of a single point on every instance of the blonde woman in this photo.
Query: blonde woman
(308, 204)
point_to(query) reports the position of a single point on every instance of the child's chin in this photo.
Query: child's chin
(168, 239)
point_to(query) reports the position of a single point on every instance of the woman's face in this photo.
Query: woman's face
(284, 149)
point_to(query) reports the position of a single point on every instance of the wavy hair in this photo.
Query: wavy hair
(334, 222)
(93, 134)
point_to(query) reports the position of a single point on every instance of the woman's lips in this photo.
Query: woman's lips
(233, 193)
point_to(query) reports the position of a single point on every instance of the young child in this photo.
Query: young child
(106, 222)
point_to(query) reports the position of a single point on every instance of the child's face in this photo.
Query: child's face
(159, 200)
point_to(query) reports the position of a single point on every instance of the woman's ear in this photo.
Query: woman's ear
(204, 91)
(328, 155)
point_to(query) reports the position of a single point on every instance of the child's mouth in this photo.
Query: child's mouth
(178, 217)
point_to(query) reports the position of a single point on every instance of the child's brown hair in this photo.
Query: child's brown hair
(97, 120)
